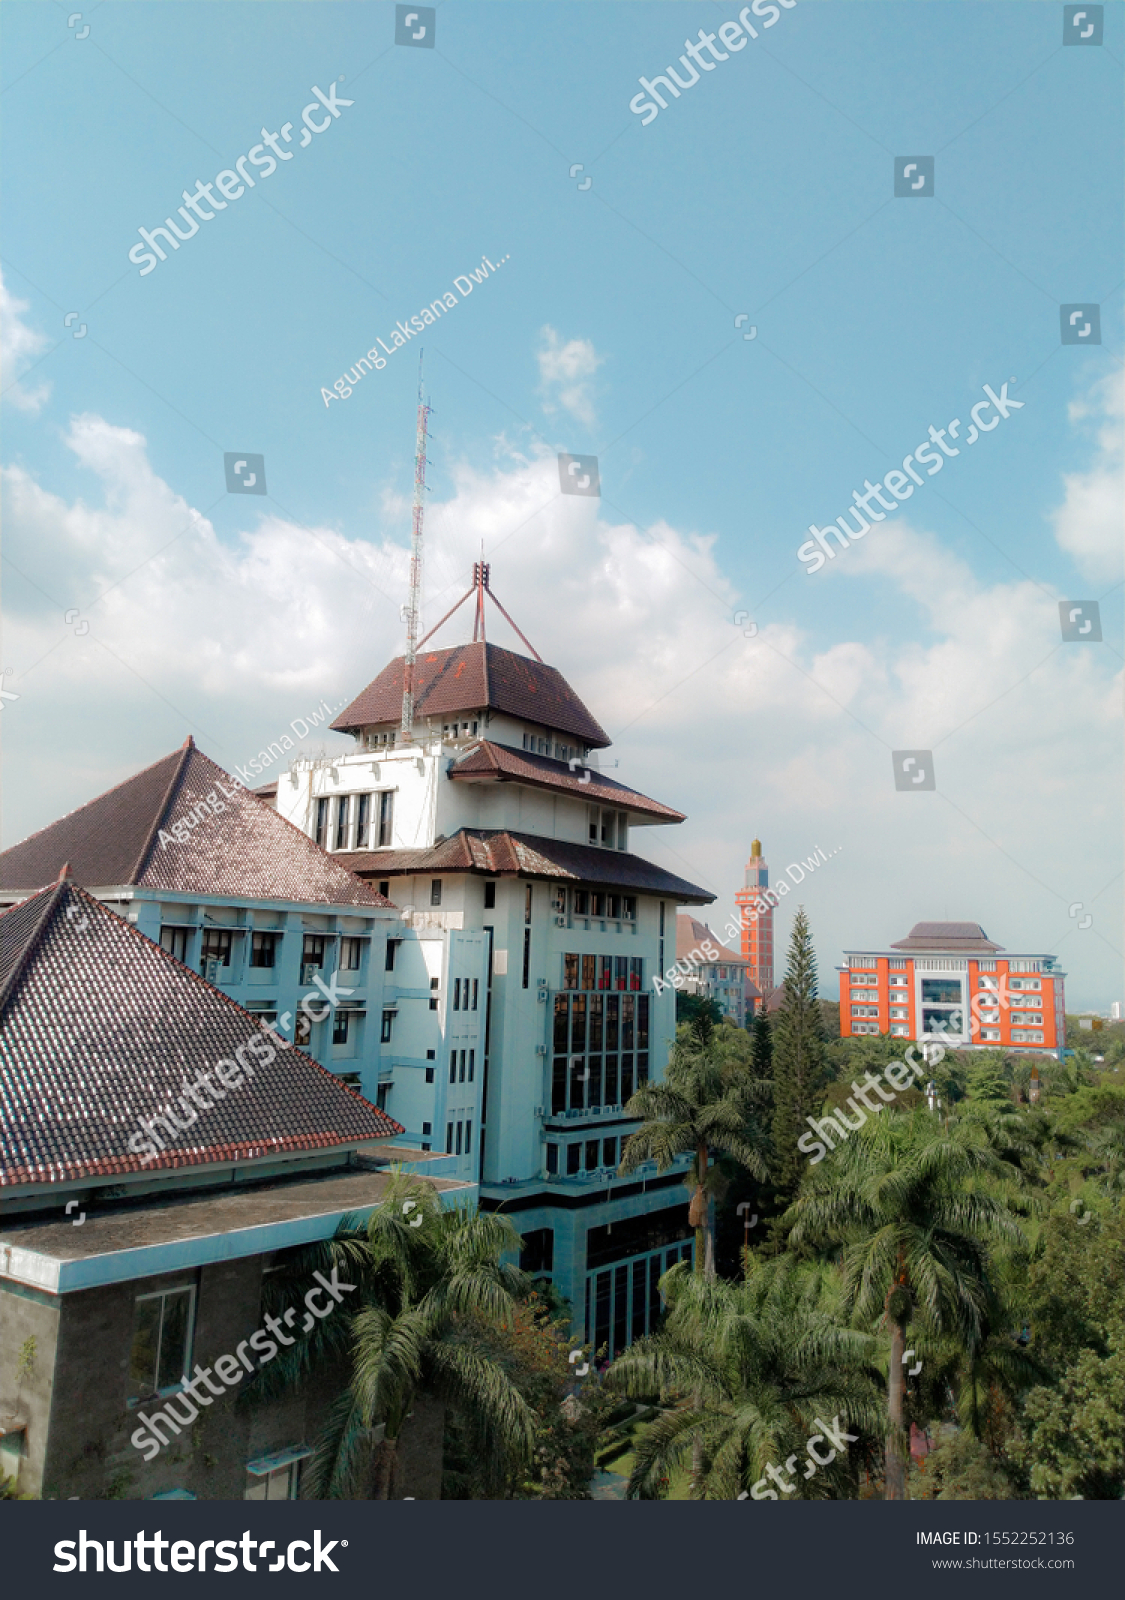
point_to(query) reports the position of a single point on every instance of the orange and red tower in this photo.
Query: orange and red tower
(755, 914)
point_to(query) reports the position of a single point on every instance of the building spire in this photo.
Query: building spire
(414, 604)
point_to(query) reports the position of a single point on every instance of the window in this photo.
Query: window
(340, 835)
(386, 816)
(385, 888)
(263, 947)
(382, 1095)
(538, 1251)
(629, 907)
(387, 1027)
(899, 1011)
(453, 1066)
(526, 956)
(552, 1162)
(468, 1138)
(1023, 983)
(865, 1011)
(429, 1074)
(280, 1483)
(461, 1075)
(460, 1127)
(435, 892)
(456, 994)
(865, 994)
(321, 821)
(592, 1147)
(427, 1129)
(175, 941)
(302, 1029)
(362, 820)
(573, 1159)
(865, 977)
(216, 946)
(160, 1359)
(350, 952)
(449, 1138)
(392, 951)
(472, 1064)
(581, 902)
(434, 997)
(476, 988)
(489, 896)
(609, 1152)
(865, 1027)
(899, 1030)
(340, 1026)
(312, 950)
(431, 1055)
(1020, 1037)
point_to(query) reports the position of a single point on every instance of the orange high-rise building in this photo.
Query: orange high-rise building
(756, 917)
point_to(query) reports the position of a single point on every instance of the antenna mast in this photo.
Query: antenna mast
(414, 604)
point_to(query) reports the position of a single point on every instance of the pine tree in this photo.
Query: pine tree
(799, 1063)
(762, 1046)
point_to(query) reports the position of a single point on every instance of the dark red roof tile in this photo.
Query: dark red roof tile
(100, 1028)
(476, 677)
(186, 825)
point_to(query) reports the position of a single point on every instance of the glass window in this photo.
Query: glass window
(570, 971)
(453, 1066)
(216, 946)
(341, 834)
(161, 1352)
(449, 1138)
(621, 972)
(302, 1029)
(609, 1152)
(613, 907)
(472, 1064)
(581, 903)
(456, 994)
(468, 1138)
(941, 991)
(597, 905)
(573, 1159)
(553, 1159)
(622, 830)
(350, 952)
(387, 1028)
(283, 1483)
(341, 1023)
(321, 821)
(392, 951)
(489, 896)
(175, 941)
(462, 1072)
(476, 991)
(526, 956)
(429, 1074)
(591, 1155)
(435, 891)
(362, 820)
(629, 907)
(578, 1024)
(386, 816)
(312, 950)
(262, 949)
(460, 1127)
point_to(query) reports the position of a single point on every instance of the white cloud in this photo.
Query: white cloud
(566, 372)
(1088, 523)
(786, 735)
(19, 344)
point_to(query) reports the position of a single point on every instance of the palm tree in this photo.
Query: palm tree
(702, 1109)
(765, 1362)
(430, 1285)
(907, 1203)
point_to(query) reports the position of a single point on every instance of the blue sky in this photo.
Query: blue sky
(766, 189)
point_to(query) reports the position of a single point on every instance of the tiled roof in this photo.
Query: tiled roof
(956, 937)
(495, 853)
(691, 934)
(101, 1028)
(500, 762)
(238, 846)
(473, 677)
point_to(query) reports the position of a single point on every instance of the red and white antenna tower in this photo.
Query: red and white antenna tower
(414, 604)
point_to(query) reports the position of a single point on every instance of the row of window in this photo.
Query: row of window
(217, 944)
(461, 994)
(541, 745)
(453, 1138)
(355, 821)
(590, 1155)
(346, 1025)
(602, 972)
(607, 827)
(593, 903)
(457, 1060)
(597, 1022)
(623, 1303)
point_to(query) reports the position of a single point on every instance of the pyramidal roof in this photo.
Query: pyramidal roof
(184, 824)
(103, 1031)
(474, 677)
(958, 937)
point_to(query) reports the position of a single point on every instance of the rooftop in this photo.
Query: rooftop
(488, 762)
(101, 1032)
(958, 938)
(476, 677)
(499, 853)
(138, 834)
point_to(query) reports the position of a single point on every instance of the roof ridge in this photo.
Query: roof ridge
(132, 778)
(146, 849)
(54, 893)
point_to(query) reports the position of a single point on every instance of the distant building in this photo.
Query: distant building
(162, 1154)
(757, 930)
(923, 987)
(725, 979)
